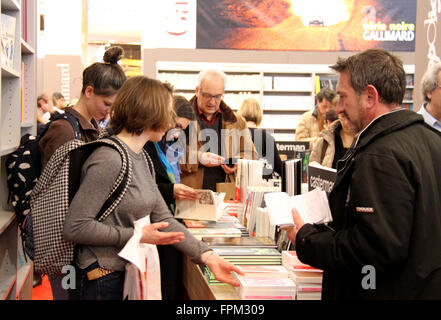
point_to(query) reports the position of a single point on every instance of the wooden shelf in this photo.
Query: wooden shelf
(18, 82)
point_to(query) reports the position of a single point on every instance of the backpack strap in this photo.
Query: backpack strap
(149, 163)
(73, 122)
(69, 117)
(77, 159)
(121, 186)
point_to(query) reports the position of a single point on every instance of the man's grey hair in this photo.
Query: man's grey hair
(204, 74)
(430, 80)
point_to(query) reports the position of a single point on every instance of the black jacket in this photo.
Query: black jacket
(386, 210)
(171, 258)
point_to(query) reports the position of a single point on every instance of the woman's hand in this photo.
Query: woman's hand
(221, 268)
(228, 169)
(181, 191)
(152, 235)
(209, 159)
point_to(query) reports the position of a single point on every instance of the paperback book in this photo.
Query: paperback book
(208, 207)
(313, 207)
(321, 177)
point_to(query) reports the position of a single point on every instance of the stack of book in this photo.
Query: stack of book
(308, 279)
(265, 288)
(264, 272)
(245, 242)
(257, 222)
(200, 233)
(221, 224)
(233, 207)
(250, 255)
(249, 174)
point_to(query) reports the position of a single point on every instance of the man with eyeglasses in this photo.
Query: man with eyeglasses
(219, 136)
(431, 86)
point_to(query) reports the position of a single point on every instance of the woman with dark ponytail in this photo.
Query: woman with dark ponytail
(101, 82)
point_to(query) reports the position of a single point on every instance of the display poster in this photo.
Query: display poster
(313, 25)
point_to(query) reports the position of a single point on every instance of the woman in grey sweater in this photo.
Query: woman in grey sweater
(142, 112)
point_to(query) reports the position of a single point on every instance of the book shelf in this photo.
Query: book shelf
(285, 91)
(17, 117)
(409, 96)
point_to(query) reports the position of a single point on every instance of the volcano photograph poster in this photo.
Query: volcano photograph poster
(313, 25)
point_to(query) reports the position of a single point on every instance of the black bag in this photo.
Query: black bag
(23, 168)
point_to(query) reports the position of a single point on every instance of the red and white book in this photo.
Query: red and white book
(306, 268)
(300, 277)
(309, 287)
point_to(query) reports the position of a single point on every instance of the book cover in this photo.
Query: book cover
(267, 283)
(208, 207)
(268, 271)
(321, 177)
(8, 40)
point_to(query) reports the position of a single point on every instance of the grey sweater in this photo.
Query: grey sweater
(101, 241)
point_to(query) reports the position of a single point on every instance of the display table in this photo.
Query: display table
(197, 287)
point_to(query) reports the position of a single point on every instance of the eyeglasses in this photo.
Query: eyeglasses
(207, 96)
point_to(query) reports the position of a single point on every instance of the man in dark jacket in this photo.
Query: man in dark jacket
(385, 238)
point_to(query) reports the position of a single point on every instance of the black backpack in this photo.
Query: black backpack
(23, 168)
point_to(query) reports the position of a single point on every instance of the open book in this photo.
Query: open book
(313, 207)
(209, 207)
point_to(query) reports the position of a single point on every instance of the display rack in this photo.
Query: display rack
(17, 117)
(408, 101)
(285, 91)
